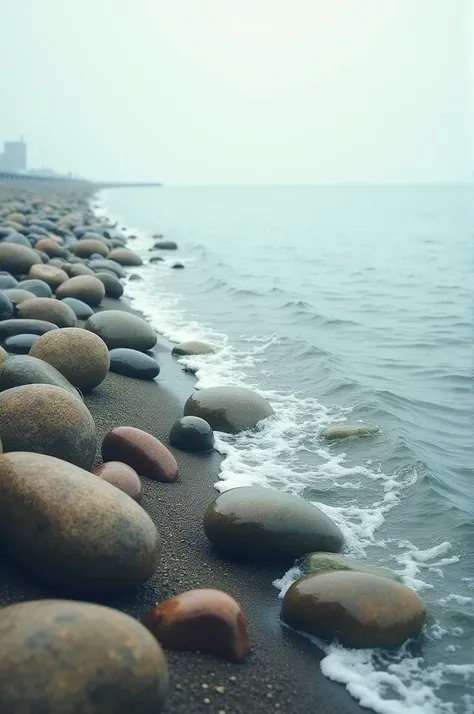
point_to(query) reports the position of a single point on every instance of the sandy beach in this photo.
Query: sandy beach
(281, 673)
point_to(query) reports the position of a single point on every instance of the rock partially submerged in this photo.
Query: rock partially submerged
(343, 431)
(228, 409)
(357, 609)
(265, 525)
(315, 563)
(193, 347)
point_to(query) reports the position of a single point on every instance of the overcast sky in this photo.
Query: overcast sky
(240, 91)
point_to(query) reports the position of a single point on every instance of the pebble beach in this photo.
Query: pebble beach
(126, 581)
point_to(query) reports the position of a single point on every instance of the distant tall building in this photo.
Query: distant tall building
(14, 156)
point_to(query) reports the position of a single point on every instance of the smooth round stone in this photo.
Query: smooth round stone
(36, 231)
(6, 307)
(122, 329)
(191, 434)
(72, 529)
(156, 259)
(228, 409)
(3, 356)
(49, 274)
(81, 310)
(177, 266)
(56, 262)
(45, 223)
(342, 431)
(48, 309)
(193, 347)
(17, 259)
(47, 420)
(13, 225)
(121, 476)
(65, 657)
(17, 239)
(140, 450)
(87, 288)
(8, 328)
(16, 217)
(357, 609)
(132, 363)
(165, 245)
(77, 269)
(113, 286)
(20, 344)
(37, 287)
(98, 264)
(315, 563)
(23, 369)
(51, 248)
(7, 281)
(262, 524)
(205, 620)
(135, 276)
(89, 246)
(18, 295)
(125, 256)
(81, 356)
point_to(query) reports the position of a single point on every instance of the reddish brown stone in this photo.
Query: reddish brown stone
(51, 248)
(121, 476)
(142, 451)
(205, 620)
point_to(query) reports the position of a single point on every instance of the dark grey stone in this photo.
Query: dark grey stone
(80, 309)
(7, 281)
(165, 245)
(37, 287)
(98, 264)
(192, 434)
(122, 329)
(20, 344)
(22, 327)
(6, 307)
(22, 369)
(132, 363)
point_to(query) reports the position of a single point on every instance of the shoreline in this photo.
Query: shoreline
(281, 672)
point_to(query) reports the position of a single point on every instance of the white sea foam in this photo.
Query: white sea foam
(404, 684)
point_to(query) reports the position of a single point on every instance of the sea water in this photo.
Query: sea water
(341, 304)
